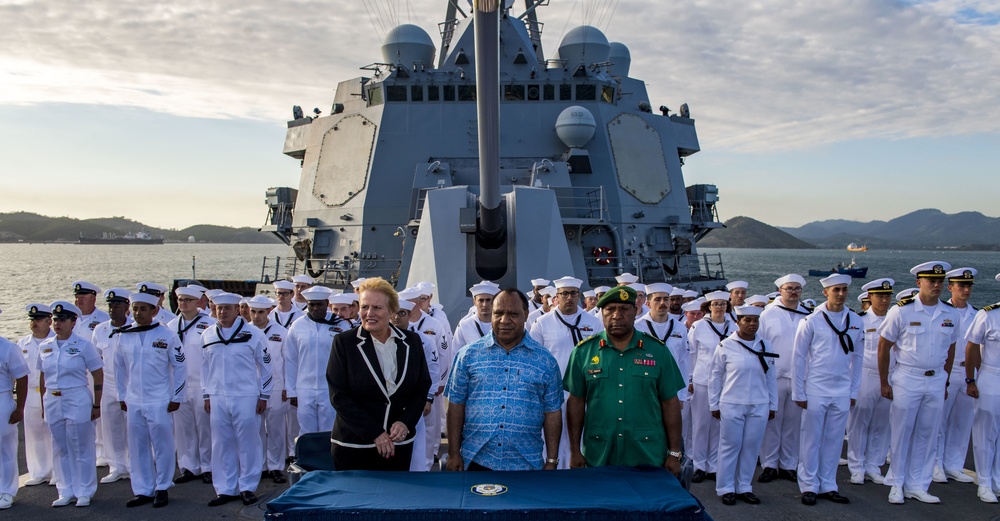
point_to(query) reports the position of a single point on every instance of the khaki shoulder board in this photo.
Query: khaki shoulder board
(862, 313)
(991, 307)
(905, 301)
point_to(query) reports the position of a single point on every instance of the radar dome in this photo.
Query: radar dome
(575, 126)
(407, 44)
(584, 44)
(620, 58)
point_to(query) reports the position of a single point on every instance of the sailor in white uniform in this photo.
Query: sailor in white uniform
(537, 285)
(150, 378)
(668, 330)
(85, 299)
(273, 432)
(737, 295)
(640, 300)
(236, 375)
(982, 378)
(13, 379)
(677, 302)
(560, 331)
(779, 452)
(626, 279)
(163, 315)
(956, 416)
(37, 438)
(868, 421)
(307, 352)
(922, 332)
(64, 362)
(692, 314)
(742, 394)
(419, 460)
(703, 338)
(826, 376)
(192, 426)
(476, 326)
(114, 421)
(548, 296)
(599, 291)
(345, 305)
(302, 283)
(285, 312)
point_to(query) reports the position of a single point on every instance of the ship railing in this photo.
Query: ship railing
(584, 205)
(447, 30)
(689, 269)
(335, 273)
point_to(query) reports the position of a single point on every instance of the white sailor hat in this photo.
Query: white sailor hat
(343, 298)
(260, 302)
(144, 298)
(84, 287)
(198, 287)
(548, 291)
(931, 270)
(407, 305)
(639, 288)
(658, 287)
(690, 293)
(245, 300)
(965, 275)
(602, 289)
(212, 293)
(63, 309)
(317, 293)
(906, 293)
(772, 295)
(863, 297)
(883, 285)
(694, 305)
(679, 292)
(357, 282)
(410, 293)
(484, 288)
(590, 294)
(116, 295)
(151, 288)
(756, 299)
(226, 299)
(809, 303)
(717, 295)
(997, 277)
(426, 288)
(791, 277)
(284, 285)
(37, 310)
(188, 291)
(303, 279)
(748, 311)
(627, 278)
(567, 282)
(540, 282)
(835, 279)
(737, 284)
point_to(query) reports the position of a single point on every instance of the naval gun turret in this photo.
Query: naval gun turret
(484, 159)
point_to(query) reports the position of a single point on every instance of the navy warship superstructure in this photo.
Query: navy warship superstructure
(578, 175)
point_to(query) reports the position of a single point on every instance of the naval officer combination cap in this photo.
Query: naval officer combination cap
(317, 293)
(737, 284)
(82, 287)
(535, 283)
(144, 298)
(116, 295)
(658, 287)
(962, 275)
(836, 279)
(260, 302)
(863, 297)
(188, 291)
(906, 293)
(791, 277)
(38, 311)
(756, 299)
(618, 295)
(626, 278)
(717, 295)
(63, 309)
(284, 285)
(931, 270)
(151, 288)
(485, 288)
(772, 295)
(227, 299)
(748, 311)
(303, 279)
(883, 285)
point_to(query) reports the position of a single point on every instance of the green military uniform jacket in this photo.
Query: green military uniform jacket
(623, 424)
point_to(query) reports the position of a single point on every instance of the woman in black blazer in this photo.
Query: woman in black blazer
(378, 385)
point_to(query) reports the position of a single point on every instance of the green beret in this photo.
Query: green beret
(618, 294)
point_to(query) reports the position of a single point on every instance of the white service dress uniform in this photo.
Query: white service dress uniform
(985, 331)
(150, 372)
(469, 330)
(192, 425)
(419, 460)
(37, 437)
(958, 409)
(273, 432)
(868, 421)
(12, 367)
(437, 330)
(703, 338)
(307, 353)
(113, 422)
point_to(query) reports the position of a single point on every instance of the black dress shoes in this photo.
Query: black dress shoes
(186, 475)
(790, 475)
(809, 498)
(138, 501)
(728, 499)
(710, 475)
(222, 499)
(277, 477)
(248, 497)
(160, 499)
(206, 478)
(698, 476)
(767, 475)
(749, 498)
(834, 497)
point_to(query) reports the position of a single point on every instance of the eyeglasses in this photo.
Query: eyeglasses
(718, 304)
(187, 300)
(282, 293)
(568, 293)
(795, 289)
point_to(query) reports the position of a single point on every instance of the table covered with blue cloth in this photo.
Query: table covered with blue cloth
(605, 493)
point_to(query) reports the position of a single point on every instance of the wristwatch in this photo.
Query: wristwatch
(970, 380)
(554, 461)
(675, 453)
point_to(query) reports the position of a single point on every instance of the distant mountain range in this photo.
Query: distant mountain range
(31, 227)
(744, 232)
(922, 229)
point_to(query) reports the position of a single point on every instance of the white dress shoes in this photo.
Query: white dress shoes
(938, 476)
(63, 501)
(35, 481)
(921, 496)
(959, 476)
(987, 495)
(6, 500)
(896, 495)
(83, 502)
(114, 476)
(875, 477)
(858, 479)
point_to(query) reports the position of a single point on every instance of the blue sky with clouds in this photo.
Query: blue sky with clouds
(857, 109)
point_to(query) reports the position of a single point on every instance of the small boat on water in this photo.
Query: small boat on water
(141, 237)
(856, 247)
(852, 269)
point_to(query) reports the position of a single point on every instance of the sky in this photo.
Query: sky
(175, 115)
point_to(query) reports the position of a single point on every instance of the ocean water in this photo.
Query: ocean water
(45, 272)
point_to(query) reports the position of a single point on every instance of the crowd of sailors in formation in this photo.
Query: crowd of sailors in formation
(219, 392)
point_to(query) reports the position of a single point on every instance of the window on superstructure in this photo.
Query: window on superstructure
(514, 93)
(433, 93)
(449, 93)
(565, 92)
(395, 93)
(416, 93)
(533, 92)
(608, 94)
(375, 95)
(466, 93)
(549, 92)
(586, 92)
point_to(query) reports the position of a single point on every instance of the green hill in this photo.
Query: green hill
(30, 227)
(744, 232)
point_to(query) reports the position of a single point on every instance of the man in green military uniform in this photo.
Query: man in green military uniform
(623, 388)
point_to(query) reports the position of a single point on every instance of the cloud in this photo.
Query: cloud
(759, 76)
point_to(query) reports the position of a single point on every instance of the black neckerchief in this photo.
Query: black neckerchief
(792, 310)
(328, 321)
(762, 355)
(232, 339)
(574, 329)
(732, 315)
(722, 335)
(652, 331)
(478, 328)
(268, 328)
(181, 331)
(291, 315)
(132, 328)
(845, 339)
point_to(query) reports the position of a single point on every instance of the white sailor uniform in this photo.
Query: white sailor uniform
(419, 460)
(150, 373)
(985, 331)
(37, 437)
(470, 329)
(12, 367)
(442, 340)
(236, 374)
(85, 325)
(307, 352)
(273, 431)
(113, 422)
(868, 421)
(958, 409)
(703, 338)
(192, 425)
(674, 334)
(285, 319)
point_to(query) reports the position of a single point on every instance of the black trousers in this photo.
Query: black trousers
(347, 458)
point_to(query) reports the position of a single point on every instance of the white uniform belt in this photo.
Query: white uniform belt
(919, 371)
(988, 369)
(870, 370)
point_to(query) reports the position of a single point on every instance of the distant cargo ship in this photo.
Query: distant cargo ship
(855, 247)
(128, 238)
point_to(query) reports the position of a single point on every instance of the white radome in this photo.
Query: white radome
(575, 126)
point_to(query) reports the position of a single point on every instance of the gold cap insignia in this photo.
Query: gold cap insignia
(78, 287)
(34, 310)
(967, 274)
(938, 268)
(143, 288)
(622, 294)
(886, 285)
(58, 308)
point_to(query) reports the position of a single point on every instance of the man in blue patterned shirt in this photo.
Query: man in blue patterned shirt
(504, 389)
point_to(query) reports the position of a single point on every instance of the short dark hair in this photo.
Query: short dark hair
(520, 295)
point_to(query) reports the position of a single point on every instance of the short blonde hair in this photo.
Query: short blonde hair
(378, 284)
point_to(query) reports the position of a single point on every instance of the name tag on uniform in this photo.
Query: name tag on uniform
(641, 361)
(916, 323)
(872, 330)
(595, 371)
(47, 350)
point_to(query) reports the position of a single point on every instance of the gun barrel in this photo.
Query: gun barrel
(486, 19)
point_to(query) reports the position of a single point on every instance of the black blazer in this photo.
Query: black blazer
(358, 392)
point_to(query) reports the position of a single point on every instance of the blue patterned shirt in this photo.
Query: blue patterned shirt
(506, 395)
